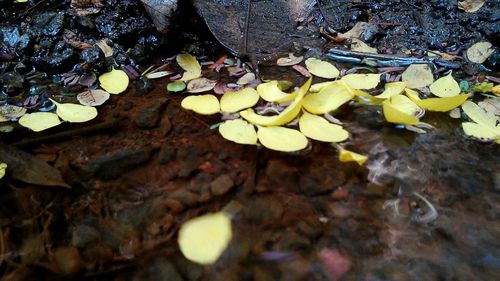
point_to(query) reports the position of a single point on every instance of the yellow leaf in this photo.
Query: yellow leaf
(3, 168)
(320, 86)
(392, 89)
(238, 131)
(245, 79)
(3, 118)
(236, 101)
(114, 82)
(362, 81)
(190, 65)
(39, 121)
(445, 87)
(349, 156)
(282, 139)
(11, 111)
(205, 104)
(320, 129)
(436, 104)
(480, 52)
(418, 76)
(400, 110)
(488, 125)
(285, 116)
(321, 68)
(204, 239)
(496, 90)
(479, 131)
(75, 113)
(329, 98)
(271, 92)
(360, 46)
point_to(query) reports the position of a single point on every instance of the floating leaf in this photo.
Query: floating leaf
(205, 104)
(236, 101)
(349, 156)
(362, 81)
(321, 68)
(290, 60)
(200, 85)
(190, 65)
(400, 110)
(271, 92)
(282, 139)
(75, 113)
(158, 74)
(238, 131)
(39, 121)
(487, 125)
(392, 89)
(480, 52)
(204, 239)
(437, 104)
(496, 90)
(318, 128)
(3, 119)
(245, 79)
(114, 82)
(360, 46)
(284, 117)
(93, 97)
(176, 86)
(445, 87)
(418, 76)
(11, 111)
(320, 86)
(470, 6)
(3, 168)
(329, 98)
(491, 105)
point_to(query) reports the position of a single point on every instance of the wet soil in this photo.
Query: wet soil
(145, 166)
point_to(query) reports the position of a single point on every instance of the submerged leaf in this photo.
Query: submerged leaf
(282, 139)
(418, 76)
(114, 82)
(284, 117)
(39, 121)
(75, 113)
(176, 86)
(349, 156)
(445, 87)
(190, 65)
(204, 239)
(362, 81)
(236, 101)
(400, 110)
(200, 85)
(205, 104)
(93, 97)
(238, 131)
(480, 52)
(318, 128)
(329, 98)
(437, 104)
(321, 68)
(392, 89)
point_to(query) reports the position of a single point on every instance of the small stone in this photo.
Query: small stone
(221, 185)
(149, 116)
(189, 165)
(264, 209)
(167, 154)
(111, 166)
(185, 197)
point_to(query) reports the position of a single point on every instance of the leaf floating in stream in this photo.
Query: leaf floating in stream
(392, 89)
(486, 126)
(401, 110)
(190, 65)
(114, 82)
(3, 168)
(349, 156)
(205, 104)
(75, 113)
(39, 121)
(200, 85)
(445, 87)
(176, 86)
(282, 139)
(362, 81)
(93, 97)
(236, 101)
(436, 104)
(318, 128)
(238, 131)
(321, 68)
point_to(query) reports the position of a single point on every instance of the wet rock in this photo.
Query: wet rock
(13, 38)
(160, 12)
(185, 197)
(111, 166)
(190, 270)
(167, 154)
(91, 55)
(115, 25)
(221, 185)
(11, 83)
(143, 86)
(189, 165)
(163, 270)
(84, 236)
(48, 23)
(57, 59)
(292, 241)
(148, 116)
(315, 181)
(264, 209)
(279, 175)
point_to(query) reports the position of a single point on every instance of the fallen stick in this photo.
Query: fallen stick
(385, 60)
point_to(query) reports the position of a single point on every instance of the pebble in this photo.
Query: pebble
(149, 115)
(111, 166)
(221, 185)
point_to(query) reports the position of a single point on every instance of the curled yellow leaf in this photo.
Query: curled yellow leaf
(437, 104)
(238, 131)
(329, 98)
(418, 76)
(204, 239)
(318, 128)
(39, 121)
(320, 86)
(281, 139)
(362, 81)
(321, 68)
(204, 104)
(285, 116)
(236, 101)
(114, 82)
(271, 92)
(349, 156)
(401, 110)
(445, 87)
(392, 89)
(75, 113)
(190, 65)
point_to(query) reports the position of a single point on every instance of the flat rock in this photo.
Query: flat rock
(149, 115)
(111, 166)
(221, 185)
